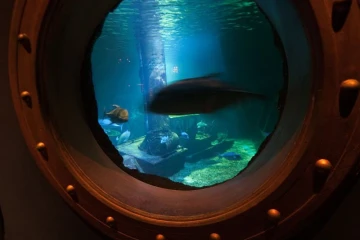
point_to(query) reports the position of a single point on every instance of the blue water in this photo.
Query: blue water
(196, 38)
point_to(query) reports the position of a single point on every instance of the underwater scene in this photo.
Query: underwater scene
(146, 45)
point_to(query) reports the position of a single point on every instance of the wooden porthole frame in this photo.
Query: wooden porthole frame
(310, 155)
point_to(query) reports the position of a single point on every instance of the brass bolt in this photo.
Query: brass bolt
(349, 92)
(350, 84)
(110, 221)
(26, 97)
(215, 236)
(42, 150)
(160, 237)
(25, 41)
(22, 36)
(70, 189)
(25, 94)
(40, 146)
(273, 215)
(323, 165)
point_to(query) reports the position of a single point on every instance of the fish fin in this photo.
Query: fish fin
(246, 93)
(115, 106)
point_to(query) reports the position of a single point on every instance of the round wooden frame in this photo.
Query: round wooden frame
(312, 151)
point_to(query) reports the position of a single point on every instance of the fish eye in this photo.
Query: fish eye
(264, 90)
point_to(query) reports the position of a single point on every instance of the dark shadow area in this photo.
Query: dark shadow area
(31, 207)
(2, 226)
(339, 14)
(283, 92)
(330, 208)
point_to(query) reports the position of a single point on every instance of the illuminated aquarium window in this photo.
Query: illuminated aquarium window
(146, 45)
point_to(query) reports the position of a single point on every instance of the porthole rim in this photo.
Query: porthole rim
(22, 110)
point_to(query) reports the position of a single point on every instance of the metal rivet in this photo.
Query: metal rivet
(349, 92)
(70, 189)
(350, 84)
(323, 165)
(321, 172)
(273, 215)
(25, 94)
(160, 237)
(25, 41)
(215, 236)
(110, 221)
(42, 149)
(26, 97)
(40, 146)
(22, 36)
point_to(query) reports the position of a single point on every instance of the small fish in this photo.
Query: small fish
(105, 122)
(184, 135)
(230, 156)
(118, 115)
(123, 137)
(197, 95)
(108, 122)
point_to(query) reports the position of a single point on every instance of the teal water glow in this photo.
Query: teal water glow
(198, 38)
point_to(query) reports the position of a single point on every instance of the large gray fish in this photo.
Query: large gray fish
(197, 95)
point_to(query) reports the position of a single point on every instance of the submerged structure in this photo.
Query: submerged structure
(160, 143)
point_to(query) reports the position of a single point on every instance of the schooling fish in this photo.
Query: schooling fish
(197, 95)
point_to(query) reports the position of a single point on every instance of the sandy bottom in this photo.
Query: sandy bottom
(210, 171)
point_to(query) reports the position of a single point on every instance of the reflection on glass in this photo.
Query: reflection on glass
(145, 45)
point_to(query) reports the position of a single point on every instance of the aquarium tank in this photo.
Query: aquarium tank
(145, 45)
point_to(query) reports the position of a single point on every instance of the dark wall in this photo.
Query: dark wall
(344, 224)
(33, 210)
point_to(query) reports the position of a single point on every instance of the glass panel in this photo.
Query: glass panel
(145, 45)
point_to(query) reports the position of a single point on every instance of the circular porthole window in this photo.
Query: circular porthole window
(145, 45)
(82, 73)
